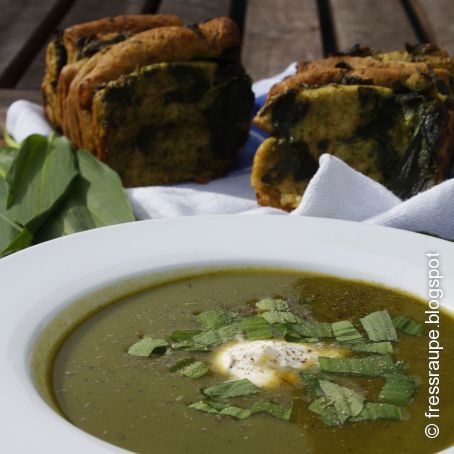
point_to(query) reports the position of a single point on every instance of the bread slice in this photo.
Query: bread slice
(166, 105)
(84, 40)
(387, 116)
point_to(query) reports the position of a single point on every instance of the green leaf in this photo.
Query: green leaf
(190, 367)
(10, 142)
(147, 345)
(273, 317)
(96, 199)
(39, 178)
(344, 331)
(369, 366)
(374, 347)
(398, 389)
(311, 383)
(221, 409)
(308, 329)
(275, 410)
(272, 304)
(214, 318)
(13, 237)
(374, 411)
(232, 388)
(379, 326)
(346, 401)
(184, 335)
(229, 332)
(256, 327)
(207, 338)
(407, 325)
(324, 408)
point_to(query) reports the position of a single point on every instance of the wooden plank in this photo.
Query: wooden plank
(381, 24)
(437, 20)
(277, 33)
(7, 97)
(24, 27)
(193, 11)
(81, 11)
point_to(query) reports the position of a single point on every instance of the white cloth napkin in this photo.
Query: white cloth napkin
(336, 190)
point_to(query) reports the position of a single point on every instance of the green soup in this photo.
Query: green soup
(142, 403)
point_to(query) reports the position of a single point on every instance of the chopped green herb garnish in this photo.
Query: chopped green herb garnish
(324, 408)
(382, 348)
(275, 410)
(398, 389)
(232, 388)
(311, 383)
(210, 406)
(374, 347)
(190, 367)
(214, 318)
(221, 409)
(373, 411)
(379, 326)
(229, 332)
(346, 401)
(147, 345)
(370, 366)
(256, 327)
(207, 338)
(272, 304)
(274, 317)
(184, 335)
(407, 325)
(344, 331)
(308, 329)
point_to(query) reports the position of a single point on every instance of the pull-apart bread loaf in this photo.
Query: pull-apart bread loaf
(165, 105)
(388, 115)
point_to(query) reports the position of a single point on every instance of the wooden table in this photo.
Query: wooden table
(275, 32)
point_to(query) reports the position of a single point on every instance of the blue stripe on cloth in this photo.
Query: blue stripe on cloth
(256, 137)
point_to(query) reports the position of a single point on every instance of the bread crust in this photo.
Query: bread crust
(83, 40)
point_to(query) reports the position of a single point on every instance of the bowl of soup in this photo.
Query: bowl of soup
(258, 334)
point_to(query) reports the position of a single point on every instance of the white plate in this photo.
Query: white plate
(39, 282)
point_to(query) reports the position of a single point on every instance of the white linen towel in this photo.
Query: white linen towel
(336, 190)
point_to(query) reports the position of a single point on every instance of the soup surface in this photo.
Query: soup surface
(142, 403)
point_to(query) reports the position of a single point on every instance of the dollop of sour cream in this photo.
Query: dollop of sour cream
(268, 363)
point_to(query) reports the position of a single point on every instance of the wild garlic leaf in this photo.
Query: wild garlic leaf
(256, 327)
(273, 317)
(147, 345)
(96, 199)
(346, 401)
(379, 326)
(381, 348)
(374, 411)
(184, 335)
(218, 408)
(13, 236)
(272, 304)
(398, 389)
(324, 408)
(407, 325)
(38, 179)
(213, 319)
(369, 366)
(309, 329)
(191, 368)
(278, 411)
(232, 388)
(344, 331)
